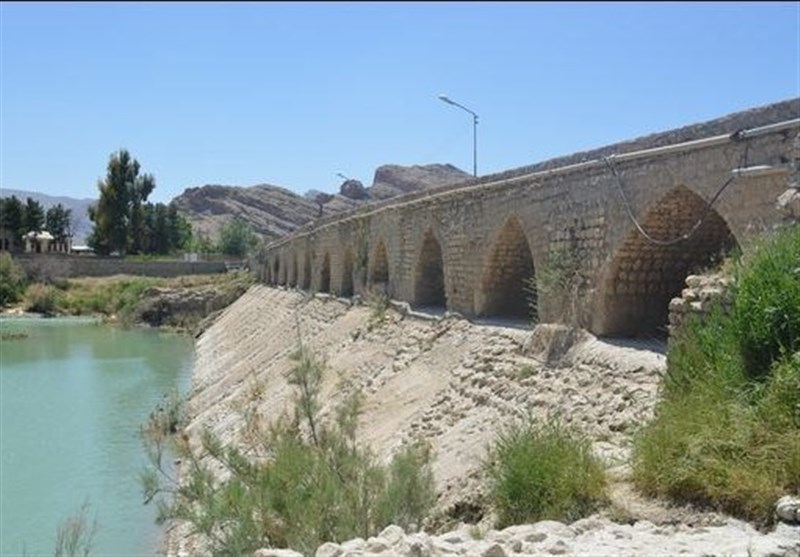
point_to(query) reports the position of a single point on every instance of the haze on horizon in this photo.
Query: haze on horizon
(293, 94)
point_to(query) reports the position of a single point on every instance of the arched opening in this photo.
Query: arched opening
(429, 274)
(284, 271)
(347, 274)
(293, 280)
(276, 267)
(379, 273)
(325, 275)
(306, 282)
(509, 278)
(644, 276)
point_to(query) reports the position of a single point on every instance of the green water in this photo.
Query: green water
(73, 394)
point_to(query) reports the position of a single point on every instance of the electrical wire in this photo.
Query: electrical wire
(709, 206)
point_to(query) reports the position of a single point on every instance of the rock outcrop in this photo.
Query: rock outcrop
(273, 211)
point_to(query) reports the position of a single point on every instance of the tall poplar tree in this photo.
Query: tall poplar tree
(117, 216)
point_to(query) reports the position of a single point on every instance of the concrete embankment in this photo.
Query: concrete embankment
(455, 384)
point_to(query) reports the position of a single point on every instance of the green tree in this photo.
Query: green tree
(12, 280)
(237, 238)
(12, 217)
(33, 215)
(58, 222)
(122, 194)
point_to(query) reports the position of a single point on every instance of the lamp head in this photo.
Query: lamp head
(446, 99)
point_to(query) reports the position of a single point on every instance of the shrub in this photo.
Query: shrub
(311, 484)
(41, 298)
(544, 471)
(12, 280)
(767, 302)
(75, 535)
(727, 430)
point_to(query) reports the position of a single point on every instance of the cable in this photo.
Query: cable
(682, 238)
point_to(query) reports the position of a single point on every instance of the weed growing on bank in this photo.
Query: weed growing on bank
(297, 483)
(727, 430)
(12, 280)
(543, 471)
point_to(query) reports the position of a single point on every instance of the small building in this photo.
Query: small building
(43, 242)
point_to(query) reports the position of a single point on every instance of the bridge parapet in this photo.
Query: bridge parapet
(602, 239)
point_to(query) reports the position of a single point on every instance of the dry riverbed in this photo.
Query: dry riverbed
(455, 383)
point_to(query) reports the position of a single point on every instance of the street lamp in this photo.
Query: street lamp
(446, 99)
(342, 176)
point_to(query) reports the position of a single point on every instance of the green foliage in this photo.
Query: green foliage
(237, 238)
(41, 298)
(12, 280)
(58, 222)
(560, 281)
(767, 303)
(75, 535)
(123, 220)
(727, 430)
(12, 217)
(119, 297)
(33, 216)
(312, 483)
(544, 471)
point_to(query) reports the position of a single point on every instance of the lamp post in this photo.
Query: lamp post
(446, 99)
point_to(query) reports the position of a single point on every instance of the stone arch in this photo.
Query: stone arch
(306, 282)
(284, 270)
(509, 275)
(266, 273)
(379, 274)
(293, 278)
(429, 274)
(643, 276)
(325, 274)
(347, 274)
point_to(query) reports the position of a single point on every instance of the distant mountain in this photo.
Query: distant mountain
(81, 225)
(274, 211)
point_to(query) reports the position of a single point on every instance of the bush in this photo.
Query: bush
(311, 484)
(727, 430)
(544, 471)
(12, 280)
(767, 303)
(41, 298)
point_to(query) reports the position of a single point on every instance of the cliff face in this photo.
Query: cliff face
(273, 211)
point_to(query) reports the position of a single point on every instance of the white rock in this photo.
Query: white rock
(329, 549)
(377, 545)
(788, 508)
(276, 553)
(356, 544)
(393, 534)
(494, 550)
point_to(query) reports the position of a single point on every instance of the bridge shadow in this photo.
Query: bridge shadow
(653, 343)
(504, 321)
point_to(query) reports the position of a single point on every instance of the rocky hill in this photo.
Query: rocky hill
(274, 211)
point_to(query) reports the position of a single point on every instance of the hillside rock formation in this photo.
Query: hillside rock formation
(273, 211)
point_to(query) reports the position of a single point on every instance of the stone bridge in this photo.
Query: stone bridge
(602, 239)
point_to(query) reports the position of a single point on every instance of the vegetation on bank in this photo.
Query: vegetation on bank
(543, 471)
(727, 430)
(125, 299)
(296, 483)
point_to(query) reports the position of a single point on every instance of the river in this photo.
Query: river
(73, 394)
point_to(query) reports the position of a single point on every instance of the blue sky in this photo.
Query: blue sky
(293, 93)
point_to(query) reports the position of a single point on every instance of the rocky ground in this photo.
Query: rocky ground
(456, 383)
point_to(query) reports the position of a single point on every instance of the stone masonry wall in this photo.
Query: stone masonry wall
(491, 234)
(67, 266)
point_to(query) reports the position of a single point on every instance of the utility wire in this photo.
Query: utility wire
(609, 160)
